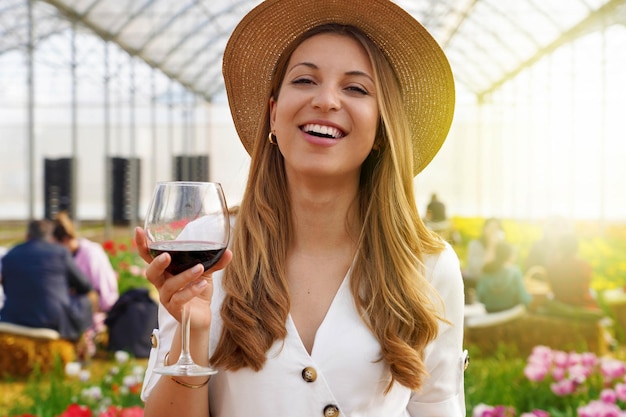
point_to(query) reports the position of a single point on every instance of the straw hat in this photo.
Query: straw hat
(419, 62)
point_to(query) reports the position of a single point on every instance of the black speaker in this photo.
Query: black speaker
(125, 180)
(58, 186)
(191, 168)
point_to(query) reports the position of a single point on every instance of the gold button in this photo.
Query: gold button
(154, 340)
(309, 374)
(331, 410)
(466, 360)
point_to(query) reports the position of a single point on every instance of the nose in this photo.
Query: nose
(326, 98)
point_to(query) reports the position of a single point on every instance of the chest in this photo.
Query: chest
(313, 285)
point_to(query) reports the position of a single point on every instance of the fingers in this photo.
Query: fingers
(180, 289)
(223, 262)
(142, 244)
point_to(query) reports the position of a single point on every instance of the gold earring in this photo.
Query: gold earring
(272, 138)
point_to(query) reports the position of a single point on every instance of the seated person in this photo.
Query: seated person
(43, 286)
(501, 284)
(92, 261)
(569, 278)
(480, 251)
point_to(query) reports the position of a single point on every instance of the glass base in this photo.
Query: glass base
(186, 370)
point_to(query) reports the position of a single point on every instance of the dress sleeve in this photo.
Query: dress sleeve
(161, 342)
(443, 392)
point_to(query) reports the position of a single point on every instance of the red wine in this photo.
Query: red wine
(186, 254)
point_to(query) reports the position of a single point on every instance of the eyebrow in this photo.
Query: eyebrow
(313, 66)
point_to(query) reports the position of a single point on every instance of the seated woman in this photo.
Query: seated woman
(501, 284)
(93, 262)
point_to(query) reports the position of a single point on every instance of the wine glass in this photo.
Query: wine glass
(189, 220)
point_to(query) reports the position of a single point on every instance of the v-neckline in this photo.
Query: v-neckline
(294, 330)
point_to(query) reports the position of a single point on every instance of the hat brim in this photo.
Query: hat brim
(420, 64)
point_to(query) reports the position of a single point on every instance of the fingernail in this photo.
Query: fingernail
(197, 268)
(201, 284)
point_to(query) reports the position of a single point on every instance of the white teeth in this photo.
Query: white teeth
(322, 130)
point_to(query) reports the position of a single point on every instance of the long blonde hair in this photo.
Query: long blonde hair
(387, 279)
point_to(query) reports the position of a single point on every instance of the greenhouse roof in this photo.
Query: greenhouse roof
(487, 41)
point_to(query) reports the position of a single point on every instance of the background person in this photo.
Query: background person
(338, 299)
(436, 218)
(44, 288)
(94, 263)
(569, 276)
(481, 251)
(501, 285)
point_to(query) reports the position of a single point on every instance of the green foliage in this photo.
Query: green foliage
(128, 264)
(97, 387)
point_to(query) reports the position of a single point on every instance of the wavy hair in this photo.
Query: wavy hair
(387, 279)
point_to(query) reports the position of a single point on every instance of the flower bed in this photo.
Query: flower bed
(127, 263)
(109, 389)
(553, 383)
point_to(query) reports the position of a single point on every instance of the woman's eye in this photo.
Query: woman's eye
(302, 81)
(358, 89)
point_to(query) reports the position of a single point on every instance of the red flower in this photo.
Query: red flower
(122, 247)
(75, 410)
(109, 247)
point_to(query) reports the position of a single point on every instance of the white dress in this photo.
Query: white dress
(342, 376)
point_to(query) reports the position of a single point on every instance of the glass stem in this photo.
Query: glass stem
(185, 356)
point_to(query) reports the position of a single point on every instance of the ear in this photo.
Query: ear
(272, 104)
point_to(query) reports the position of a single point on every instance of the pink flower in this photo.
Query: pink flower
(612, 369)
(599, 409)
(588, 359)
(536, 371)
(536, 413)
(620, 391)
(558, 374)
(483, 410)
(574, 359)
(579, 373)
(563, 388)
(561, 359)
(608, 396)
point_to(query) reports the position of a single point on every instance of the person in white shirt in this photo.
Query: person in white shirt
(334, 299)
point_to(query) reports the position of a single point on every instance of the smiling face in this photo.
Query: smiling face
(326, 114)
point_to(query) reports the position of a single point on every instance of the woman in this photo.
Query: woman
(338, 300)
(482, 250)
(501, 286)
(92, 261)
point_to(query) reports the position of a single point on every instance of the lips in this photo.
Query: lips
(322, 131)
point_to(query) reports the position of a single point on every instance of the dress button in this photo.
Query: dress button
(309, 374)
(331, 411)
(154, 340)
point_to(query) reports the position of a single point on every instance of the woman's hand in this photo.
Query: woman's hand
(194, 286)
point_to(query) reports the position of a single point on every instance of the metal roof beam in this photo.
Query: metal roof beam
(578, 30)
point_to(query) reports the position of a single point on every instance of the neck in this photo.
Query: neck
(325, 220)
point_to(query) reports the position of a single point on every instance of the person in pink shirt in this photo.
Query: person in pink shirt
(93, 261)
